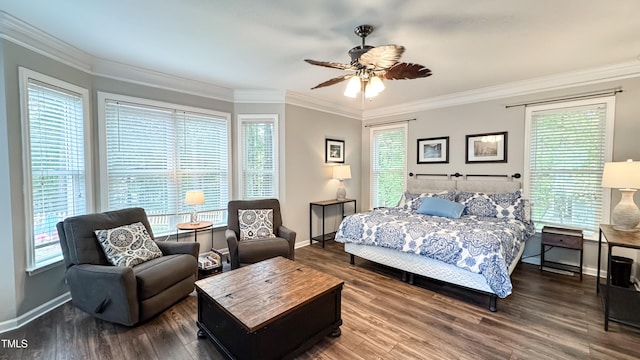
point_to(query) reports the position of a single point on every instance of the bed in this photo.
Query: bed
(478, 251)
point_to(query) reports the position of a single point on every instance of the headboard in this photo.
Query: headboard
(498, 186)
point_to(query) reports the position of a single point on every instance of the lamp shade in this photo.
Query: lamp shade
(342, 172)
(621, 175)
(194, 197)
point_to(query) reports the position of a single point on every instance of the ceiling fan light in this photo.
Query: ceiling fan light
(376, 84)
(353, 87)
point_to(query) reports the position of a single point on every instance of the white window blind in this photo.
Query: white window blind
(156, 152)
(55, 169)
(258, 162)
(568, 146)
(388, 164)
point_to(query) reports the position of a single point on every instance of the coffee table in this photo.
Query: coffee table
(273, 309)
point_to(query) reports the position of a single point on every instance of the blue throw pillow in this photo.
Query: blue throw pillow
(440, 207)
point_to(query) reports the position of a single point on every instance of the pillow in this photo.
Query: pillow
(256, 223)
(440, 207)
(505, 205)
(128, 245)
(478, 204)
(413, 201)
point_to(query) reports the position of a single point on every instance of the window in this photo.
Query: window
(258, 149)
(55, 117)
(152, 153)
(388, 164)
(568, 144)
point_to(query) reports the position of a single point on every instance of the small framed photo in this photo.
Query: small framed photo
(482, 148)
(334, 151)
(433, 150)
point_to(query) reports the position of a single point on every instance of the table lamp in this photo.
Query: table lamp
(341, 172)
(624, 176)
(195, 198)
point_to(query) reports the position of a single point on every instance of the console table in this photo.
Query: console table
(323, 204)
(620, 304)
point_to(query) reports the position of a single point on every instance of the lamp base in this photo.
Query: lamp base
(342, 192)
(626, 215)
(194, 217)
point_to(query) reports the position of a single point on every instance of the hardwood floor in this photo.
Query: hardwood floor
(548, 316)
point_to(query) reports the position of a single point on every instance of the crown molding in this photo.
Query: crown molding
(141, 76)
(309, 102)
(34, 39)
(259, 96)
(547, 83)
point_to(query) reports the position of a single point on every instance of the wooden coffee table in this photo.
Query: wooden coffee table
(273, 309)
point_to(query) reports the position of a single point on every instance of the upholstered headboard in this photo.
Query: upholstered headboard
(417, 186)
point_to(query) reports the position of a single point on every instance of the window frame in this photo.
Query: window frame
(258, 118)
(372, 130)
(609, 101)
(103, 97)
(25, 75)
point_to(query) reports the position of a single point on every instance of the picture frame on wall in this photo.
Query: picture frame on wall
(433, 150)
(484, 148)
(334, 151)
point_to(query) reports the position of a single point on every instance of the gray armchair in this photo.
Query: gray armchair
(248, 251)
(124, 295)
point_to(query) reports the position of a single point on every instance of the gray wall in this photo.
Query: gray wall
(308, 177)
(492, 116)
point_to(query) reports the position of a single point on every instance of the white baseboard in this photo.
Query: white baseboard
(27, 317)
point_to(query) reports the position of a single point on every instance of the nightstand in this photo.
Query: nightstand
(562, 238)
(323, 204)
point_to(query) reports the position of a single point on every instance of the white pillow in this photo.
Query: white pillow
(128, 245)
(255, 223)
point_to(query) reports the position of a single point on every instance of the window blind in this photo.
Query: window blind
(154, 155)
(258, 158)
(57, 163)
(388, 165)
(567, 153)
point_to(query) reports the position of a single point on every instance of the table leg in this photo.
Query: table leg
(608, 290)
(310, 224)
(323, 227)
(599, 261)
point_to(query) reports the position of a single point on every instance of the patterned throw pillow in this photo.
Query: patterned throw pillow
(128, 245)
(506, 205)
(413, 201)
(256, 223)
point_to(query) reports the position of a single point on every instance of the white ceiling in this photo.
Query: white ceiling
(245, 45)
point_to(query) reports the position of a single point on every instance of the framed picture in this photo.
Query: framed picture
(334, 151)
(433, 150)
(483, 148)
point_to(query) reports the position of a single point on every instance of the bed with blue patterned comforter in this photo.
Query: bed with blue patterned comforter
(482, 245)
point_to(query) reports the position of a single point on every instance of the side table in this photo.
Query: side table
(197, 227)
(323, 204)
(562, 238)
(620, 304)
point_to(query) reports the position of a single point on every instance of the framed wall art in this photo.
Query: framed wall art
(334, 151)
(433, 150)
(482, 148)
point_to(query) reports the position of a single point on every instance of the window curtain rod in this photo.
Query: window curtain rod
(573, 97)
(388, 123)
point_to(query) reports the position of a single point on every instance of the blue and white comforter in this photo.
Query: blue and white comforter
(483, 245)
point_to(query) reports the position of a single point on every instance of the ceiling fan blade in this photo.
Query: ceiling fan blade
(330, 64)
(406, 71)
(381, 57)
(334, 81)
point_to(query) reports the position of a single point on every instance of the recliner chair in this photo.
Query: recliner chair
(248, 251)
(124, 295)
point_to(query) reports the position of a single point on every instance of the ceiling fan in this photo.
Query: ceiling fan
(371, 65)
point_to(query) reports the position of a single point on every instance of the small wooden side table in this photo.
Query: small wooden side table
(562, 238)
(195, 227)
(323, 204)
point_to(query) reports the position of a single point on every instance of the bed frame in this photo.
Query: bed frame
(412, 264)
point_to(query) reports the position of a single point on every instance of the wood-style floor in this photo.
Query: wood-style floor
(548, 316)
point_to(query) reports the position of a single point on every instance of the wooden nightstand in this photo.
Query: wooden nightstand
(562, 238)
